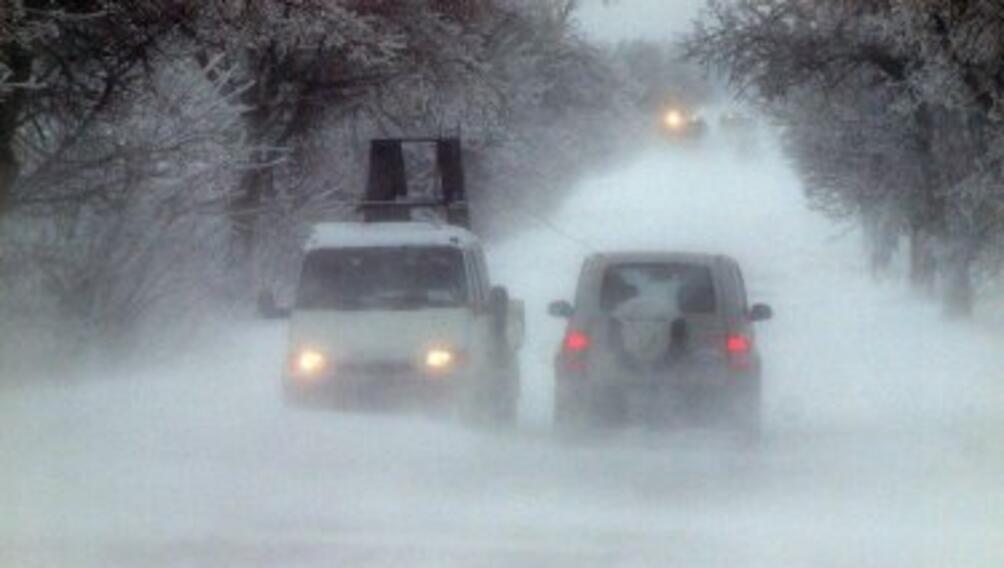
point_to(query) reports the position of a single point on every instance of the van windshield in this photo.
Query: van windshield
(398, 278)
(682, 288)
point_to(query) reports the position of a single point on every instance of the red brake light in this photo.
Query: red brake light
(738, 347)
(577, 342)
(738, 344)
(575, 346)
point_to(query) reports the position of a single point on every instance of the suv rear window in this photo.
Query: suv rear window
(386, 278)
(686, 288)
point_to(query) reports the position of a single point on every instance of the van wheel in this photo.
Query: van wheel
(491, 416)
(505, 412)
(497, 410)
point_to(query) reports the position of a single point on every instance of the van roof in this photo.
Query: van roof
(407, 233)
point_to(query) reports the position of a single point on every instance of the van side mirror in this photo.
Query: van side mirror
(560, 309)
(498, 306)
(267, 307)
(761, 312)
(516, 326)
(508, 319)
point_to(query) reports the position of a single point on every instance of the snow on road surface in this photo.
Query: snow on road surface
(883, 445)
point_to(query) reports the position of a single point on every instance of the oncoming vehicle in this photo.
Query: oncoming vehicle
(390, 313)
(661, 337)
(677, 124)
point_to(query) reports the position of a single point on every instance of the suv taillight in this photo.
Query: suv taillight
(737, 344)
(577, 342)
(574, 349)
(739, 349)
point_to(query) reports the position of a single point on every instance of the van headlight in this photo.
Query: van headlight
(440, 360)
(309, 362)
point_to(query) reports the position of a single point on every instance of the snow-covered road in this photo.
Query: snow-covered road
(883, 449)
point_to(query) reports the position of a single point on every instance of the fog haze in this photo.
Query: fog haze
(657, 20)
(152, 337)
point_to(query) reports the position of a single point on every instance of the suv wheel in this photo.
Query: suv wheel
(571, 410)
(746, 416)
(502, 412)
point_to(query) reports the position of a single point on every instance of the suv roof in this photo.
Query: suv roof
(654, 256)
(414, 233)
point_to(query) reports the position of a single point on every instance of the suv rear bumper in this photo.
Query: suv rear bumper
(722, 396)
(724, 385)
(704, 377)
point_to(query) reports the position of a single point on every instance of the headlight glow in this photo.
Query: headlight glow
(309, 362)
(440, 359)
(674, 119)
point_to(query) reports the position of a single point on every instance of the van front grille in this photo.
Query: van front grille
(377, 368)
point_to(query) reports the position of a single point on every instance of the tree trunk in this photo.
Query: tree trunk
(11, 106)
(928, 217)
(245, 216)
(9, 170)
(958, 299)
(9, 166)
(922, 265)
(257, 184)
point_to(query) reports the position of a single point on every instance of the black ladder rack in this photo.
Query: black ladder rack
(387, 186)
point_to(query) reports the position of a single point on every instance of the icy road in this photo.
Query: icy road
(885, 445)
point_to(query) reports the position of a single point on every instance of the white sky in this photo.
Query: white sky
(637, 19)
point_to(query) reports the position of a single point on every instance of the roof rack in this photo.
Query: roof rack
(387, 185)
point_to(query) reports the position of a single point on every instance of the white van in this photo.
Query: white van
(402, 312)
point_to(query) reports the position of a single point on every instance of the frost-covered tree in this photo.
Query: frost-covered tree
(315, 72)
(133, 231)
(891, 109)
(230, 125)
(62, 64)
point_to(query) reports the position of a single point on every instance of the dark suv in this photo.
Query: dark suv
(660, 337)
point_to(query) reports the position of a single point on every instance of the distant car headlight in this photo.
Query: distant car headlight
(674, 119)
(440, 360)
(309, 362)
